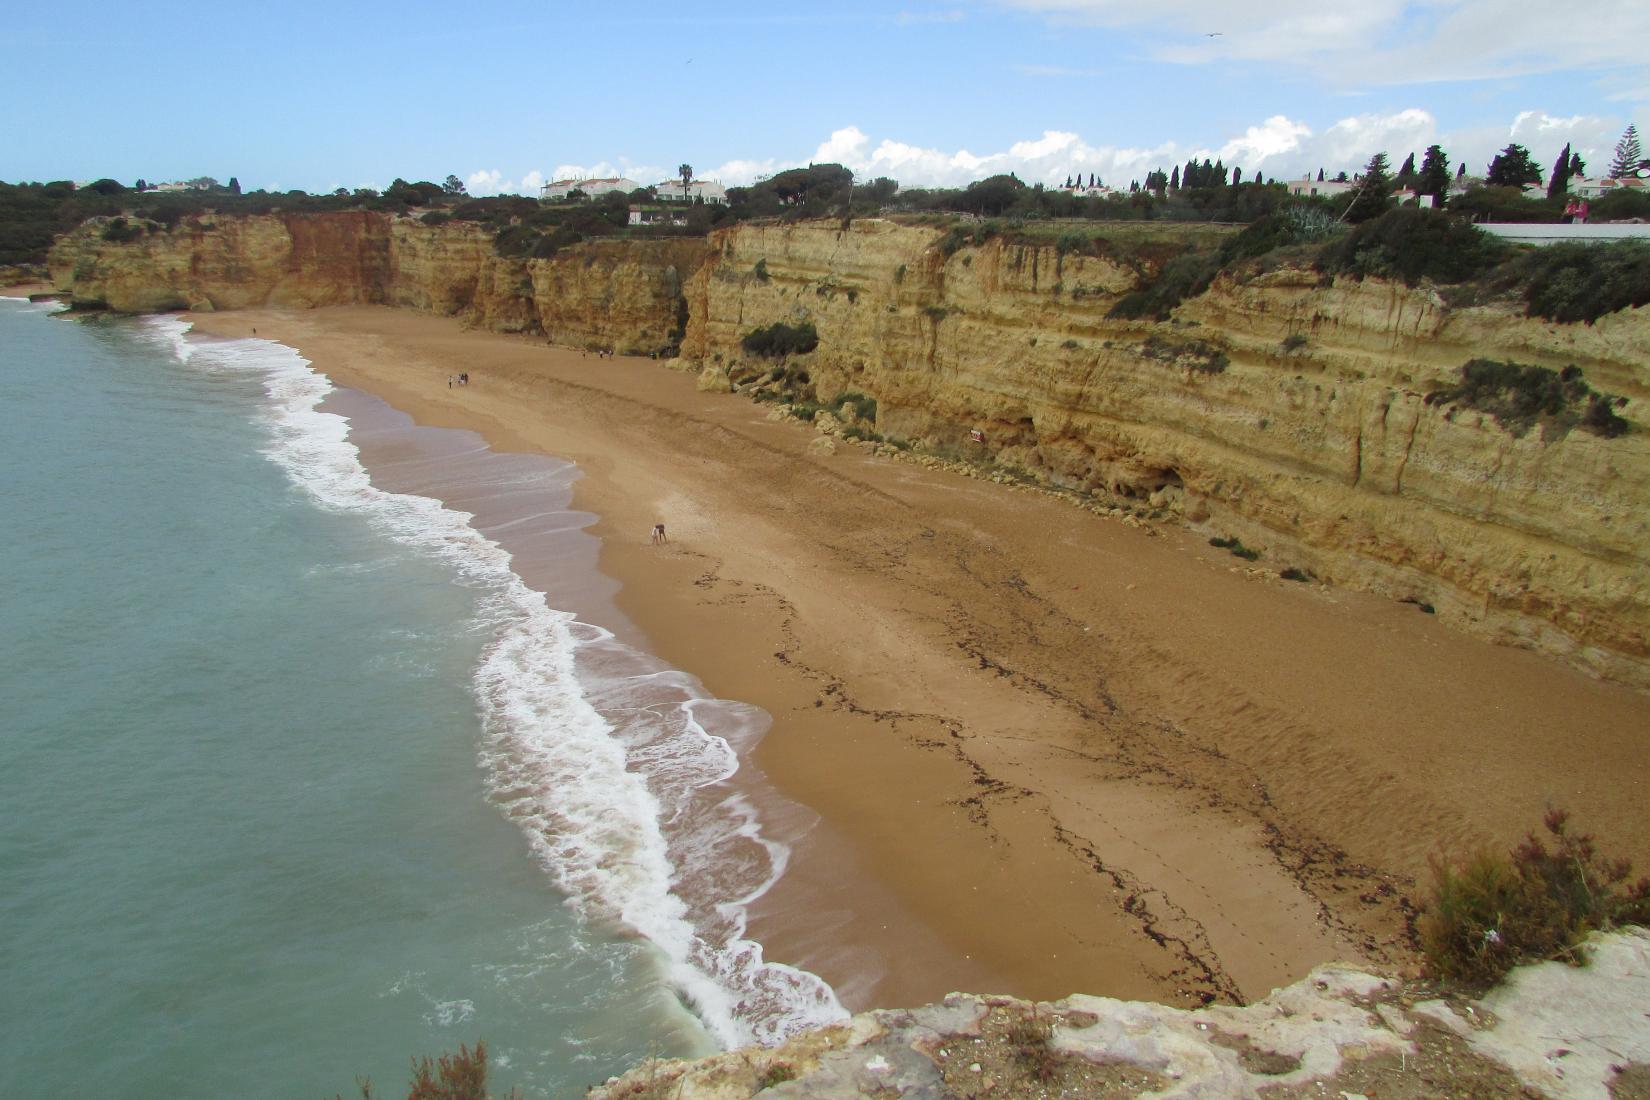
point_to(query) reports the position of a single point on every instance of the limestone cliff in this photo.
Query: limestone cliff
(1273, 408)
(624, 295)
(1551, 1031)
(1326, 457)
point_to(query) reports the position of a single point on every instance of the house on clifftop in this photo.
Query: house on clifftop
(708, 190)
(592, 188)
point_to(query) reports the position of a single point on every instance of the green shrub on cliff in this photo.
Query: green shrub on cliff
(778, 340)
(1520, 395)
(1411, 244)
(1490, 912)
(1185, 276)
(1573, 282)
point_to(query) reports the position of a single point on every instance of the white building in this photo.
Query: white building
(1082, 191)
(1592, 190)
(709, 190)
(1323, 189)
(641, 215)
(593, 189)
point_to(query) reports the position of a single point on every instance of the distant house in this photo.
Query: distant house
(655, 215)
(1083, 191)
(592, 188)
(709, 190)
(1592, 190)
(1323, 189)
(181, 185)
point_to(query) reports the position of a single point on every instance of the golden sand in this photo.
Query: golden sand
(1051, 752)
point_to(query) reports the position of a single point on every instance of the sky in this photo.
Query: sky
(508, 94)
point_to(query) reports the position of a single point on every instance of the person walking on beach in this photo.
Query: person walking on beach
(659, 534)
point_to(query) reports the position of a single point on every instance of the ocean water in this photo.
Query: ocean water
(299, 778)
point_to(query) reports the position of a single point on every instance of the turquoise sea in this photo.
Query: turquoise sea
(298, 779)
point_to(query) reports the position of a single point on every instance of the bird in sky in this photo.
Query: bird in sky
(1214, 34)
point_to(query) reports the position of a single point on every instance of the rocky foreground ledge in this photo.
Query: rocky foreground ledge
(1549, 1031)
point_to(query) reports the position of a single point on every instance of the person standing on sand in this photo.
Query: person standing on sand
(659, 537)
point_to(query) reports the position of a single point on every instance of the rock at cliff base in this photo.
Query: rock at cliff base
(823, 445)
(714, 380)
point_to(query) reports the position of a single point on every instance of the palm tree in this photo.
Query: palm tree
(686, 172)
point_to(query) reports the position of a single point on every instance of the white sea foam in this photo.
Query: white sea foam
(24, 305)
(613, 764)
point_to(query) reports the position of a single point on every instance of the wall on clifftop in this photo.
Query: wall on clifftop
(621, 294)
(1326, 457)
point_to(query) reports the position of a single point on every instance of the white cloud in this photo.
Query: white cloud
(1381, 41)
(1279, 147)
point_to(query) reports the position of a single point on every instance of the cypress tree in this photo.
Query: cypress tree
(1320, 175)
(1560, 181)
(1219, 177)
(1237, 175)
(1406, 174)
(1174, 179)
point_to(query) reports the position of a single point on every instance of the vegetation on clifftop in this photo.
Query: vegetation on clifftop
(1490, 912)
(1519, 396)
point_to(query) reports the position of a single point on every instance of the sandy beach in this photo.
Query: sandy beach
(1049, 751)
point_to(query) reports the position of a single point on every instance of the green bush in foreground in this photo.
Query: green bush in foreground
(1492, 912)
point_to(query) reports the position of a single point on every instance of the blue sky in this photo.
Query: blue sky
(508, 94)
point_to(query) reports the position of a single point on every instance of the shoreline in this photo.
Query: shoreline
(1050, 753)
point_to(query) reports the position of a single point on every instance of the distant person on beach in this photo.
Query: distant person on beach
(659, 534)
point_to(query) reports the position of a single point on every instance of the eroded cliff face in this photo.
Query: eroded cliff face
(1286, 413)
(1325, 457)
(624, 295)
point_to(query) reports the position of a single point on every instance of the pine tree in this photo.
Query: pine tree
(1559, 183)
(1512, 167)
(1406, 174)
(1578, 167)
(1433, 178)
(1374, 194)
(1628, 154)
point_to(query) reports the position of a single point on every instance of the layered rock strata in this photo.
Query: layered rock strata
(1274, 409)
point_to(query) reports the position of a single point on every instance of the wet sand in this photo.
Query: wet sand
(1049, 752)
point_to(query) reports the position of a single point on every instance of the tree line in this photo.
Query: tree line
(33, 214)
